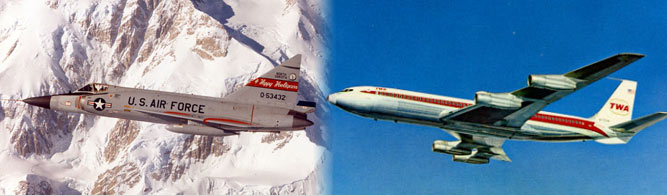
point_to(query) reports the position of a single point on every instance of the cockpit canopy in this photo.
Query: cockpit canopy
(93, 88)
(347, 90)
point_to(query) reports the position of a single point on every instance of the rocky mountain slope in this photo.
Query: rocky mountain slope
(202, 47)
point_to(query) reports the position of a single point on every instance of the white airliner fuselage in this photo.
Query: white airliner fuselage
(427, 109)
(483, 124)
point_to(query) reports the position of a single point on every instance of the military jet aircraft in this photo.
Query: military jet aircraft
(268, 103)
(483, 124)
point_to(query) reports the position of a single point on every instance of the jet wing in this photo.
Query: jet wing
(542, 90)
(483, 148)
(185, 116)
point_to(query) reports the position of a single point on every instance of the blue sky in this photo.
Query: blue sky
(456, 48)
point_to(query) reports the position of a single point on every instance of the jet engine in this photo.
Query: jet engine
(449, 148)
(499, 100)
(554, 82)
(470, 159)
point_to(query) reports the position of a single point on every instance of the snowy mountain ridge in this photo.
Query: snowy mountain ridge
(201, 47)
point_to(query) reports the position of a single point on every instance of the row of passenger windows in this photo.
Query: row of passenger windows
(430, 100)
(560, 119)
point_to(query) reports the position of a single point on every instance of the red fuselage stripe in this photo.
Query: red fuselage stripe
(455, 104)
(566, 121)
(269, 83)
(78, 103)
(553, 119)
(252, 113)
(226, 120)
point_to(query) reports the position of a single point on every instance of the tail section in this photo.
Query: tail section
(278, 86)
(616, 114)
(619, 107)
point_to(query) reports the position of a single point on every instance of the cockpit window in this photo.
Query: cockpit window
(95, 88)
(347, 90)
(87, 88)
(100, 87)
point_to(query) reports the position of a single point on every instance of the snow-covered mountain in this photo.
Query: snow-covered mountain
(203, 47)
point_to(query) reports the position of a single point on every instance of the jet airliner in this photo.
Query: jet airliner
(483, 124)
(267, 103)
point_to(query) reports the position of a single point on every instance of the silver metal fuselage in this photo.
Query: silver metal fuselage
(426, 109)
(128, 103)
(267, 103)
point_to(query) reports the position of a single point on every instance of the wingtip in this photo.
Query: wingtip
(630, 54)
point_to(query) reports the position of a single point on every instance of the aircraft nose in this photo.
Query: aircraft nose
(43, 101)
(299, 122)
(332, 99)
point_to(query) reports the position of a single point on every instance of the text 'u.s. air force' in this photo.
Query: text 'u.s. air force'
(173, 105)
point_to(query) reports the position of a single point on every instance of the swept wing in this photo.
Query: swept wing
(513, 109)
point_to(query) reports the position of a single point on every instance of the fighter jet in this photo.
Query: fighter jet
(483, 124)
(267, 103)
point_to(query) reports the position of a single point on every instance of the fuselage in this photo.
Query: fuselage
(168, 108)
(427, 109)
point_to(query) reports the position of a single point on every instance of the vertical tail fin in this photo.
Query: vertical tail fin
(278, 86)
(619, 107)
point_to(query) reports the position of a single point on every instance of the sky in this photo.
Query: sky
(455, 48)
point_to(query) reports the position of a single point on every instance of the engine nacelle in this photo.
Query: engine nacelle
(554, 82)
(449, 148)
(470, 159)
(499, 100)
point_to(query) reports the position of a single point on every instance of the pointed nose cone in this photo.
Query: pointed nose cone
(43, 101)
(332, 99)
(301, 123)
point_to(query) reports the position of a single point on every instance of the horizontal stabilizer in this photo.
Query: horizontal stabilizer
(637, 125)
(625, 131)
(306, 104)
